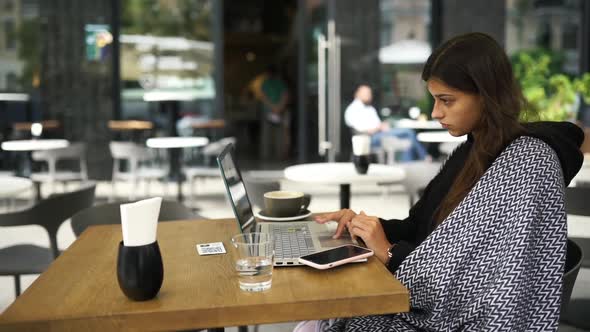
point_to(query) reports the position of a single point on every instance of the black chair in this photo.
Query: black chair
(49, 214)
(576, 203)
(576, 312)
(109, 214)
(573, 262)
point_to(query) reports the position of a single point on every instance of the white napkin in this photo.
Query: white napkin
(361, 145)
(140, 221)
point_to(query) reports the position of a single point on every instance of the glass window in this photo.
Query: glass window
(553, 26)
(166, 46)
(543, 41)
(404, 49)
(9, 34)
(20, 55)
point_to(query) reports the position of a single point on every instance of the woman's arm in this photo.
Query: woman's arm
(402, 235)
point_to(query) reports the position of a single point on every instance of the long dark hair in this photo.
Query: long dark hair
(474, 63)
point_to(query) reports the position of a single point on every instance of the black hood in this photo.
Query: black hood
(565, 138)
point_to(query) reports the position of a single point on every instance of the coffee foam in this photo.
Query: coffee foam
(283, 194)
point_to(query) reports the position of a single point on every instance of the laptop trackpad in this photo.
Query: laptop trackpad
(325, 232)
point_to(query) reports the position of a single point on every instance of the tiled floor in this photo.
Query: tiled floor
(211, 203)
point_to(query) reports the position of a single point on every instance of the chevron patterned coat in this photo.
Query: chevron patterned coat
(496, 262)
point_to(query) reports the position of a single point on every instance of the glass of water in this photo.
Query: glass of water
(254, 260)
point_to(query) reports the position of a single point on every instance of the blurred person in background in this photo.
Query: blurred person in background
(270, 89)
(362, 117)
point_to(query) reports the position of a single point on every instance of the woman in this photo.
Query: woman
(488, 235)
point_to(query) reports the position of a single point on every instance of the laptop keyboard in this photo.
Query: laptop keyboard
(292, 241)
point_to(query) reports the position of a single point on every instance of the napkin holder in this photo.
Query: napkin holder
(140, 271)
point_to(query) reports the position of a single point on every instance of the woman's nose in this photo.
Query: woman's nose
(436, 112)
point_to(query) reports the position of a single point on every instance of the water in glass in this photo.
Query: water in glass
(254, 273)
(254, 260)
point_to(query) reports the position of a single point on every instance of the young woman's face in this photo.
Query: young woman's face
(457, 111)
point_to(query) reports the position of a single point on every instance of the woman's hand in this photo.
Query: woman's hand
(366, 227)
(343, 217)
(370, 230)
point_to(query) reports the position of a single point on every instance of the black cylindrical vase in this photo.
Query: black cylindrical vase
(140, 271)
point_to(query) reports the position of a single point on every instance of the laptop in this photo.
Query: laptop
(292, 239)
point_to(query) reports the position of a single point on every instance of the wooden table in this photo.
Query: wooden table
(209, 124)
(209, 127)
(79, 291)
(128, 125)
(26, 126)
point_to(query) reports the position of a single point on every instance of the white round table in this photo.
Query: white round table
(442, 136)
(13, 185)
(34, 144)
(343, 174)
(418, 124)
(176, 143)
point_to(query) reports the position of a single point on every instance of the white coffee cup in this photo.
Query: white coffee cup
(361, 145)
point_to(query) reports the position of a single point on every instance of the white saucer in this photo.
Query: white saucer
(304, 214)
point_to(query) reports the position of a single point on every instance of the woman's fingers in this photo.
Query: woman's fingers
(363, 225)
(368, 225)
(325, 217)
(357, 231)
(345, 219)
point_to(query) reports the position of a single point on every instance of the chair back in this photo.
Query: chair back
(132, 152)
(109, 214)
(51, 212)
(576, 201)
(74, 151)
(389, 146)
(573, 261)
(129, 151)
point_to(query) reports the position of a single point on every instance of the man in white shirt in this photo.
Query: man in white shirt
(361, 116)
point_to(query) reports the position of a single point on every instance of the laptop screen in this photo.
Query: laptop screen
(236, 190)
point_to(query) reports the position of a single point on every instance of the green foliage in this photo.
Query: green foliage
(550, 94)
(29, 51)
(189, 18)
